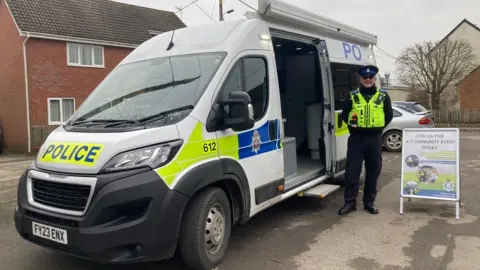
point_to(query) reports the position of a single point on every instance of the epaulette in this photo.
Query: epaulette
(383, 91)
(354, 92)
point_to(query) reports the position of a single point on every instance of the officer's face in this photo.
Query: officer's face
(368, 81)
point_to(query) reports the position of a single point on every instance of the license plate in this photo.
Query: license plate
(50, 233)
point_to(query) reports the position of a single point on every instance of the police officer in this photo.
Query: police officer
(366, 113)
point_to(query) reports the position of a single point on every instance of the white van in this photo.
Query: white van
(195, 131)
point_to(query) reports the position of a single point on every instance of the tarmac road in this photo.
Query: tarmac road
(306, 233)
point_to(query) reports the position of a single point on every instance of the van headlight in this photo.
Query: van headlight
(152, 156)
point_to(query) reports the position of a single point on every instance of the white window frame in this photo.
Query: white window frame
(62, 121)
(93, 65)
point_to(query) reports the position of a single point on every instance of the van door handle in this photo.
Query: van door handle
(272, 130)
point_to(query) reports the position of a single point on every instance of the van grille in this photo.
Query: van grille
(71, 197)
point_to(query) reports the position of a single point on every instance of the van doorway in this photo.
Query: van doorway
(302, 99)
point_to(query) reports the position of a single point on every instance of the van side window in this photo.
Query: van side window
(249, 75)
(232, 83)
(256, 84)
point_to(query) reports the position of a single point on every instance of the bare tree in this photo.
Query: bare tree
(435, 66)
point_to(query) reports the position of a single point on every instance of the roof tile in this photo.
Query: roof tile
(103, 20)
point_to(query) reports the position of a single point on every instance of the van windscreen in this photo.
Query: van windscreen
(144, 89)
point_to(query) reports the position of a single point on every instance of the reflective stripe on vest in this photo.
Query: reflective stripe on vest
(369, 114)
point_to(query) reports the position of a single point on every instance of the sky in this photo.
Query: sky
(397, 24)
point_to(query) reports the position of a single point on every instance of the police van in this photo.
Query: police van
(195, 131)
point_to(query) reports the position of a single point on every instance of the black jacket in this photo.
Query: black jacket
(367, 93)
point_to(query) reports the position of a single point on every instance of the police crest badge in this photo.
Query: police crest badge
(256, 141)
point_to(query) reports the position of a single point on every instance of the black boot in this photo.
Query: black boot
(371, 208)
(347, 208)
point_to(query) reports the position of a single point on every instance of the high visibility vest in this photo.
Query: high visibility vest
(369, 114)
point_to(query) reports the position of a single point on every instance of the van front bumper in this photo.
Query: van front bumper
(133, 217)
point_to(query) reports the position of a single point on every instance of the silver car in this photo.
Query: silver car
(403, 118)
(412, 105)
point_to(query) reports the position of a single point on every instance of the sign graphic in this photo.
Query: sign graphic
(430, 165)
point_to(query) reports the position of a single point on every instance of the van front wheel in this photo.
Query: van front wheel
(206, 229)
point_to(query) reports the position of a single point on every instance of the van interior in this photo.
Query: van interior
(301, 92)
(345, 78)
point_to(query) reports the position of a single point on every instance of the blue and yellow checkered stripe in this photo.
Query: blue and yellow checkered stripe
(267, 144)
(237, 146)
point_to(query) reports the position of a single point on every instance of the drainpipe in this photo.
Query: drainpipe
(26, 92)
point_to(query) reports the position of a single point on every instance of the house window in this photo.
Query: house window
(83, 55)
(60, 110)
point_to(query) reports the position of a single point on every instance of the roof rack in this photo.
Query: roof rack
(275, 10)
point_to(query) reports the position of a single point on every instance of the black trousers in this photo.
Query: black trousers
(363, 147)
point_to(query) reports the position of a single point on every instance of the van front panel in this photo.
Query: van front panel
(87, 153)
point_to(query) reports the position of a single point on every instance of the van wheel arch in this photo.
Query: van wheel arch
(236, 197)
(226, 174)
(238, 200)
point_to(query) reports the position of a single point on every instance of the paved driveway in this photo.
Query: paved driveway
(11, 167)
(306, 233)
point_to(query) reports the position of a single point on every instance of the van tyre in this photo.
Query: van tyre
(392, 141)
(206, 228)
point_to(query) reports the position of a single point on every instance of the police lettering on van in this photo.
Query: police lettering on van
(352, 50)
(73, 153)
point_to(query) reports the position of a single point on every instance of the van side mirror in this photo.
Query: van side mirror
(236, 113)
(239, 111)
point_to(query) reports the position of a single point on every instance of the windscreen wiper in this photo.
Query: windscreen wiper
(92, 121)
(155, 117)
(146, 90)
(161, 115)
(121, 122)
(109, 122)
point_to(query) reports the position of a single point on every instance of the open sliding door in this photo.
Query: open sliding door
(330, 117)
(325, 140)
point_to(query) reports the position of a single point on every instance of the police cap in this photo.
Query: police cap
(368, 70)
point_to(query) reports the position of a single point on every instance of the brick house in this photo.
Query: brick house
(469, 87)
(54, 53)
(469, 90)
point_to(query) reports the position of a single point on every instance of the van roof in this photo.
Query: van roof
(279, 12)
(193, 39)
(226, 35)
